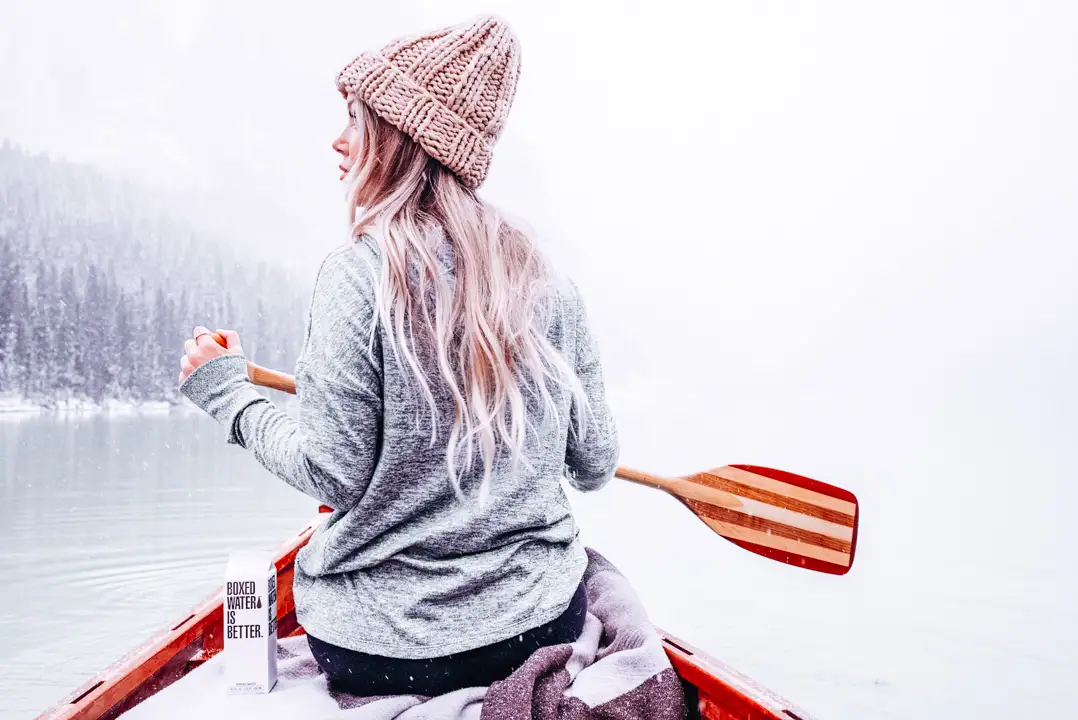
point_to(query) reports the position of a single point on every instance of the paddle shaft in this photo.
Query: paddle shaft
(681, 488)
(286, 383)
(264, 376)
(271, 378)
(675, 486)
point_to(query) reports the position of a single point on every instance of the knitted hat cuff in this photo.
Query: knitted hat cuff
(399, 100)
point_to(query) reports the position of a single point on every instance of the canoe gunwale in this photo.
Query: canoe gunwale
(723, 693)
(171, 654)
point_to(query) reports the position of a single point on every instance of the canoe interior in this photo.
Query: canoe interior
(714, 690)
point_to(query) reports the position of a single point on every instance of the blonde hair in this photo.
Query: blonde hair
(482, 328)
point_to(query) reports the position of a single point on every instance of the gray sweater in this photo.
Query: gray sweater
(403, 568)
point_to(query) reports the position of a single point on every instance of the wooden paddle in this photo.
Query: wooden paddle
(776, 514)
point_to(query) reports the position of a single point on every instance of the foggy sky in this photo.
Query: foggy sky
(835, 238)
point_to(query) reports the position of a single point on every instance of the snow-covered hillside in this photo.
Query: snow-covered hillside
(100, 284)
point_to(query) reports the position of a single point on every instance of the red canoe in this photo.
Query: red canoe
(714, 690)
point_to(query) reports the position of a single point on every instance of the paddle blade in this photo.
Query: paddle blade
(782, 516)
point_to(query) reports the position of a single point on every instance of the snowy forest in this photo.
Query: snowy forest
(99, 287)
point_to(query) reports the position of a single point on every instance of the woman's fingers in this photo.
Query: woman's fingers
(203, 347)
(186, 368)
(203, 336)
(232, 339)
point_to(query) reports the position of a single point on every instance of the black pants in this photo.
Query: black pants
(368, 675)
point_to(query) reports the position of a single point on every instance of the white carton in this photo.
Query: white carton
(250, 654)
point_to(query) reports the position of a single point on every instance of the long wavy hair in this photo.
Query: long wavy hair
(481, 327)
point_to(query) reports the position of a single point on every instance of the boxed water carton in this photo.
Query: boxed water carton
(250, 654)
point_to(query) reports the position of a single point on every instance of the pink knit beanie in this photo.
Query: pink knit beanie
(449, 90)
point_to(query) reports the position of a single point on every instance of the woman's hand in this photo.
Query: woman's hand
(202, 348)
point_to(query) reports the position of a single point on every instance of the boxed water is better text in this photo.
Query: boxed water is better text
(250, 654)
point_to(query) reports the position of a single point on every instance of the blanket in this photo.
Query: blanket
(616, 670)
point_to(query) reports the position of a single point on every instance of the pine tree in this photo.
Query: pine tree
(22, 352)
(10, 280)
(71, 381)
(161, 372)
(90, 334)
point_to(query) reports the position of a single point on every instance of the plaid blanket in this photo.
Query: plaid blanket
(616, 670)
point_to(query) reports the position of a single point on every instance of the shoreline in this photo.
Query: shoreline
(19, 407)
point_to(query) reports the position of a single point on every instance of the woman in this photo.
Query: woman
(447, 382)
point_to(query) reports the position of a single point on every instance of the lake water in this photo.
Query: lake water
(113, 526)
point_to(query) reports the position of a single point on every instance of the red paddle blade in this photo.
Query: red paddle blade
(782, 516)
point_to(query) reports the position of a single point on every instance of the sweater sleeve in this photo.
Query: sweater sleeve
(591, 455)
(330, 451)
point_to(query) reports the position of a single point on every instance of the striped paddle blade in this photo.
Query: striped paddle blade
(782, 516)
